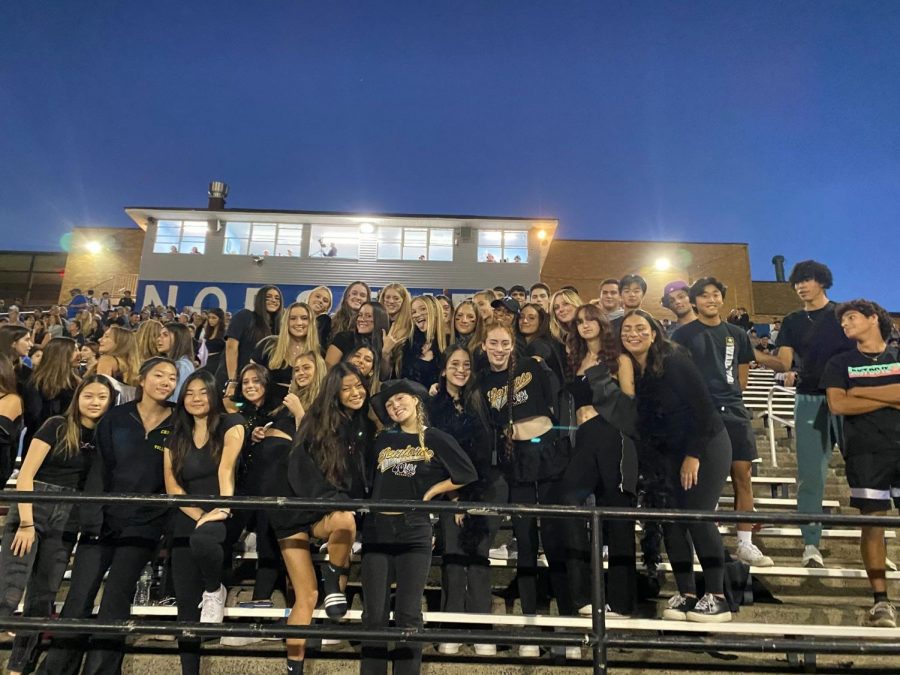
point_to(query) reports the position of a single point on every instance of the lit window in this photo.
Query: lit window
(334, 241)
(503, 246)
(180, 236)
(415, 243)
(263, 239)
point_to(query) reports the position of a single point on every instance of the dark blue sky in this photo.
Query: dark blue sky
(774, 123)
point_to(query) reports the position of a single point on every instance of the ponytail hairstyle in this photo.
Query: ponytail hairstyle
(68, 440)
(320, 429)
(182, 341)
(55, 373)
(558, 330)
(345, 317)
(577, 347)
(488, 296)
(277, 349)
(181, 440)
(510, 382)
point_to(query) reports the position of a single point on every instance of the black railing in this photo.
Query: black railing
(598, 639)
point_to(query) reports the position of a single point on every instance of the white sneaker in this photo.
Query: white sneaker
(449, 648)
(235, 641)
(250, 543)
(328, 642)
(212, 606)
(587, 610)
(812, 557)
(529, 651)
(503, 552)
(749, 553)
(486, 650)
(890, 565)
(570, 652)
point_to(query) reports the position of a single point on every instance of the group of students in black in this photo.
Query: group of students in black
(400, 398)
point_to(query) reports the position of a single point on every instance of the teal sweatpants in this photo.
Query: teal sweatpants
(817, 430)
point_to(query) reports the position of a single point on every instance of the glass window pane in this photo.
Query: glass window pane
(489, 237)
(168, 228)
(390, 234)
(192, 247)
(387, 251)
(237, 230)
(235, 246)
(165, 246)
(290, 250)
(413, 237)
(489, 254)
(290, 234)
(442, 237)
(440, 253)
(263, 232)
(327, 241)
(195, 228)
(414, 253)
(263, 248)
(515, 239)
(515, 254)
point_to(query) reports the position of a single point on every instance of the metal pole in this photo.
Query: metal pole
(598, 595)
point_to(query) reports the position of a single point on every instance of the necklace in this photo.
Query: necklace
(873, 359)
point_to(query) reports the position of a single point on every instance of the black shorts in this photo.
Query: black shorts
(743, 440)
(874, 477)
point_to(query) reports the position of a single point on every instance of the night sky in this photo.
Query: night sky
(773, 123)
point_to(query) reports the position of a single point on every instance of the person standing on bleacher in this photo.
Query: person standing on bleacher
(814, 335)
(722, 352)
(863, 385)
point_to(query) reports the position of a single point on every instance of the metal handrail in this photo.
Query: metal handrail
(597, 638)
(771, 417)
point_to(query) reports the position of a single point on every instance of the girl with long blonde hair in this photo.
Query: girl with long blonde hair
(563, 306)
(296, 336)
(118, 357)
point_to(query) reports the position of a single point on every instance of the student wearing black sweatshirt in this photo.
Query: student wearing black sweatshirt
(685, 456)
(412, 461)
(120, 539)
(328, 462)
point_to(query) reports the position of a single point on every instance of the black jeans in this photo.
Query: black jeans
(714, 468)
(528, 539)
(196, 567)
(595, 469)
(395, 549)
(466, 574)
(41, 570)
(124, 554)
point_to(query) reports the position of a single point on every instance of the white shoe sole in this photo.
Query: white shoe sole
(486, 650)
(725, 617)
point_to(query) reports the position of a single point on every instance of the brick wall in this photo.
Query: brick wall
(119, 258)
(584, 264)
(774, 299)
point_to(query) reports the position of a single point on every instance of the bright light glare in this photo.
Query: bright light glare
(542, 234)
(94, 246)
(662, 264)
(366, 228)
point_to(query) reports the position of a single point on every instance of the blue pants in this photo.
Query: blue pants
(817, 431)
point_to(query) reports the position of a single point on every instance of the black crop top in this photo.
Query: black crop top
(582, 394)
(533, 395)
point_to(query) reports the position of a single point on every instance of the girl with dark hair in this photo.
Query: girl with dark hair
(412, 462)
(603, 463)
(213, 336)
(200, 458)
(468, 327)
(11, 409)
(15, 342)
(446, 306)
(246, 329)
(685, 456)
(118, 540)
(34, 553)
(372, 324)
(320, 302)
(296, 336)
(51, 386)
(458, 409)
(520, 398)
(175, 342)
(344, 318)
(534, 326)
(327, 462)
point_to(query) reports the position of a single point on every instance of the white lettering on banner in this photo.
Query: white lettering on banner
(212, 290)
(250, 296)
(152, 297)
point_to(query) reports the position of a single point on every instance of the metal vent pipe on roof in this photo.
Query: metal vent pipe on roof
(778, 261)
(218, 191)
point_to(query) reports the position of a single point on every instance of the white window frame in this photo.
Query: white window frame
(275, 244)
(429, 246)
(502, 246)
(190, 239)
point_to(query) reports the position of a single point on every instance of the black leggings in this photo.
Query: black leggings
(714, 468)
(525, 530)
(395, 549)
(197, 556)
(125, 556)
(595, 469)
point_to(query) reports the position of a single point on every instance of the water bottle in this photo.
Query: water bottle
(142, 592)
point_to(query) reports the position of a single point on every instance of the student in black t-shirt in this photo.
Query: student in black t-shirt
(34, 553)
(245, 330)
(722, 352)
(814, 336)
(297, 335)
(200, 459)
(328, 462)
(863, 385)
(371, 325)
(412, 461)
(11, 414)
(118, 539)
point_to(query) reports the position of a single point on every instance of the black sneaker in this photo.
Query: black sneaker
(335, 600)
(678, 607)
(710, 609)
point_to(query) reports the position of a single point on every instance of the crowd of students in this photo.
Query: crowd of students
(527, 396)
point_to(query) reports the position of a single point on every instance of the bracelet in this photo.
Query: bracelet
(21, 526)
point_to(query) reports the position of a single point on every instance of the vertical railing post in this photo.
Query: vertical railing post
(598, 594)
